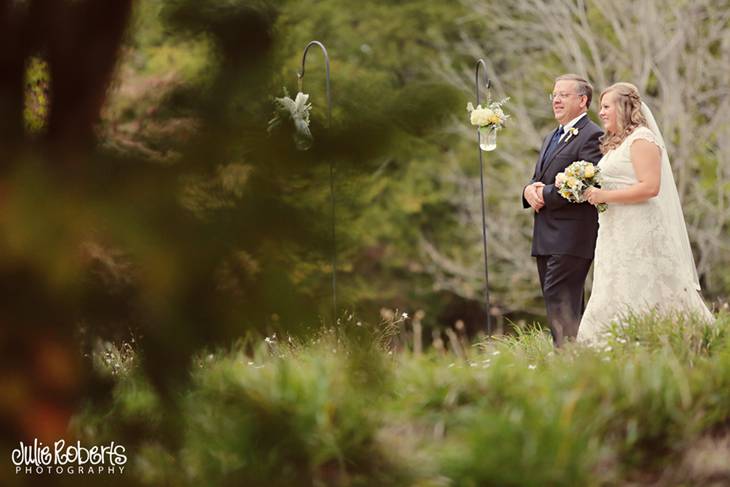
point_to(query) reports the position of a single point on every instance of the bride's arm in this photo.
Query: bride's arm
(647, 159)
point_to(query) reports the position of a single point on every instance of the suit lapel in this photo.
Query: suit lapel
(540, 163)
(561, 146)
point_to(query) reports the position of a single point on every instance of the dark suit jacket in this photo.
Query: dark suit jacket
(561, 227)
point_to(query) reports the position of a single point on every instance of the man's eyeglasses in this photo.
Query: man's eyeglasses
(561, 96)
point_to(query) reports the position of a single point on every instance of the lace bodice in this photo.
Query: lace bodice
(616, 167)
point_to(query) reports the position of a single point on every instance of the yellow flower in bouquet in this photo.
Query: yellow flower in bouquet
(576, 178)
(482, 116)
(494, 119)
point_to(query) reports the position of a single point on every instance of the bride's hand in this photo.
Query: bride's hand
(595, 196)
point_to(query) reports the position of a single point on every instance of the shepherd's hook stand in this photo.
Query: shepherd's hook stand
(300, 79)
(487, 83)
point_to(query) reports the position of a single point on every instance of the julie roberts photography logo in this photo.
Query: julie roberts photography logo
(72, 459)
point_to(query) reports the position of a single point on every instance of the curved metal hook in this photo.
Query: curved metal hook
(487, 82)
(300, 76)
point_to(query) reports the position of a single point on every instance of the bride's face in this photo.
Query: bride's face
(608, 112)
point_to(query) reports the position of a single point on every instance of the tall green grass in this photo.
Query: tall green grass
(344, 409)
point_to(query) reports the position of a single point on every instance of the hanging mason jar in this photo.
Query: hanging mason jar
(488, 137)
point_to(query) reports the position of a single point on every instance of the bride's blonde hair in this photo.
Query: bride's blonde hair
(628, 114)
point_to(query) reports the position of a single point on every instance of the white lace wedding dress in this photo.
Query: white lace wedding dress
(643, 261)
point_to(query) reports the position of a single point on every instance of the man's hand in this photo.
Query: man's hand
(538, 190)
(533, 195)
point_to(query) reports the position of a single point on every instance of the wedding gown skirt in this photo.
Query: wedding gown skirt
(636, 267)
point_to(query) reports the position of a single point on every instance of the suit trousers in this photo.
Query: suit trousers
(562, 278)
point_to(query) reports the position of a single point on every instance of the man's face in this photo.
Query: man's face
(567, 104)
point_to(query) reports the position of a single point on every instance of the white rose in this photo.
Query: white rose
(481, 117)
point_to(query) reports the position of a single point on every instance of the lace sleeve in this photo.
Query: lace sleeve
(644, 133)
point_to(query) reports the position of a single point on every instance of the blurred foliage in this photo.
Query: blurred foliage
(382, 52)
(396, 46)
(142, 198)
(36, 95)
(155, 203)
(279, 411)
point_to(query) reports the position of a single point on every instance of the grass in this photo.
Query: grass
(343, 409)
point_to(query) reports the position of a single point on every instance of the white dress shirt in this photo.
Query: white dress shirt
(571, 124)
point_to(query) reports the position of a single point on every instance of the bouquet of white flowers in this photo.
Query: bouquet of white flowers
(489, 119)
(297, 110)
(492, 114)
(573, 182)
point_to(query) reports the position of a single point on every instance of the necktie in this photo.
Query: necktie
(552, 145)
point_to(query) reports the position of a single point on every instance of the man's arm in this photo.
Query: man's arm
(525, 203)
(552, 198)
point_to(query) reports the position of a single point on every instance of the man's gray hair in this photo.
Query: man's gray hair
(583, 86)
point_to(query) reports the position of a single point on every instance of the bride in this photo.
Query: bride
(643, 258)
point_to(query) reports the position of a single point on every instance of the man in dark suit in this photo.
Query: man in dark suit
(564, 234)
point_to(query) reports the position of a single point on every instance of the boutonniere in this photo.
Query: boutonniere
(571, 132)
